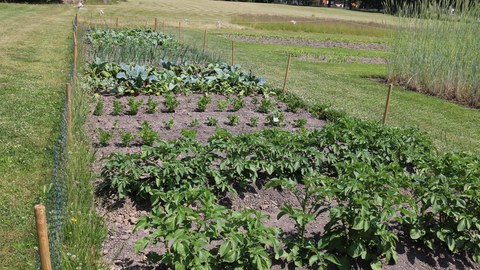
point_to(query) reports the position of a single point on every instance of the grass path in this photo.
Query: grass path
(34, 66)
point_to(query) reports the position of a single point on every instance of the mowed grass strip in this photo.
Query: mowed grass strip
(34, 67)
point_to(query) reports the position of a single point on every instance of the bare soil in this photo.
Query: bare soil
(307, 42)
(349, 59)
(121, 216)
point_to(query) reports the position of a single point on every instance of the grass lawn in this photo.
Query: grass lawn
(34, 52)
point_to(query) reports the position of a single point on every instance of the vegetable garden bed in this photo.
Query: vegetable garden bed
(206, 167)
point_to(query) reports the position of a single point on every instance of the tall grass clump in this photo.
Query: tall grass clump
(435, 49)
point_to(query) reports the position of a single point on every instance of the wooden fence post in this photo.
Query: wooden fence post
(233, 53)
(43, 247)
(116, 22)
(385, 114)
(286, 74)
(156, 22)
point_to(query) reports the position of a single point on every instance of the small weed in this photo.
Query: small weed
(169, 124)
(115, 124)
(134, 106)
(99, 108)
(300, 122)
(238, 103)
(203, 103)
(147, 134)
(255, 100)
(171, 103)
(127, 138)
(276, 118)
(222, 105)
(253, 121)
(117, 107)
(105, 136)
(212, 121)
(151, 105)
(233, 120)
(195, 122)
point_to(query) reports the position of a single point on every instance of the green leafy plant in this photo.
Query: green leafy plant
(238, 103)
(195, 122)
(212, 121)
(127, 138)
(203, 103)
(99, 108)
(265, 105)
(147, 134)
(189, 133)
(276, 118)
(300, 123)
(169, 124)
(134, 105)
(253, 121)
(151, 105)
(233, 120)
(117, 107)
(170, 102)
(222, 105)
(104, 136)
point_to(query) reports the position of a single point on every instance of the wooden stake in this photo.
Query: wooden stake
(156, 22)
(233, 53)
(116, 22)
(75, 54)
(164, 29)
(43, 247)
(286, 74)
(68, 94)
(76, 21)
(385, 114)
(204, 40)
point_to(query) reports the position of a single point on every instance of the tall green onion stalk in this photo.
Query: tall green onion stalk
(436, 48)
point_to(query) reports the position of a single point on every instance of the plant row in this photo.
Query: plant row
(170, 103)
(148, 136)
(120, 79)
(127, 37)
(373, 181)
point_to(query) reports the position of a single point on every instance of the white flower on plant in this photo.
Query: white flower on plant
(101, 12)
(293, 22)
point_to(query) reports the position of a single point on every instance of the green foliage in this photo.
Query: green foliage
(195, 122)
(122, 79)
(104, 136)
(127, 37)
(169, 124)
(99, 108)
(147, 134)
(233, 120)
(203, 103)
(300, 122)
(253, 121)
(189, 133)
(294, 103)
(265, 105)
(134, 105)
(152, 105)
(222, 105)
(212, 121)
(170, 103)
(239, 239)
(276, 118)
(238, 103)
(117, 107)
(127, 137)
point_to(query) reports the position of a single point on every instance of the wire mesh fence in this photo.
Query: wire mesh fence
(56, 203)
